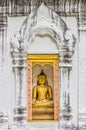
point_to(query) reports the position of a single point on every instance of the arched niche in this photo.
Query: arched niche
(41, 26)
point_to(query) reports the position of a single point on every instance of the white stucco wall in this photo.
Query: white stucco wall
(43, 44)
(77, 77)
(82, 71)
(14, 24)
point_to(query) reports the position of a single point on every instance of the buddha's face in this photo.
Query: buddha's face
(42, 79)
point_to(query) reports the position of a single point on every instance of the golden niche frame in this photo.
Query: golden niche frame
(50, 65)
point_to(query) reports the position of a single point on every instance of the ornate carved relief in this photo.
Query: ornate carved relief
(54, 26)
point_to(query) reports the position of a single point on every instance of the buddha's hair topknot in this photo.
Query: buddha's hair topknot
(42, 73)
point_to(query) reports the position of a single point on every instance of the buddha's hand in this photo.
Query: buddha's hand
(45, 100)
(49, 99)
(33, 101)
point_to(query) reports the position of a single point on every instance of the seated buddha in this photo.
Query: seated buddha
(42, 102)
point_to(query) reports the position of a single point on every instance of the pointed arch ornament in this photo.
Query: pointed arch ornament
(44, 21)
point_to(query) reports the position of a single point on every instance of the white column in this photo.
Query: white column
(19, 66)
(65, 104)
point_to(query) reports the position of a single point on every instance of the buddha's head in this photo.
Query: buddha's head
(42, 79)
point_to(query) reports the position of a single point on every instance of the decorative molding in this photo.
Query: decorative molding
(61, 7)
(4, 121)
(82, 120)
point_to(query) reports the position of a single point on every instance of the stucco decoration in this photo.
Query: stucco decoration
(44, 21)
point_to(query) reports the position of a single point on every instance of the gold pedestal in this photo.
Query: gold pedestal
(42, 113)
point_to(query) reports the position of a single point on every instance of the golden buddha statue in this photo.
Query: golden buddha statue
(42, 102)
